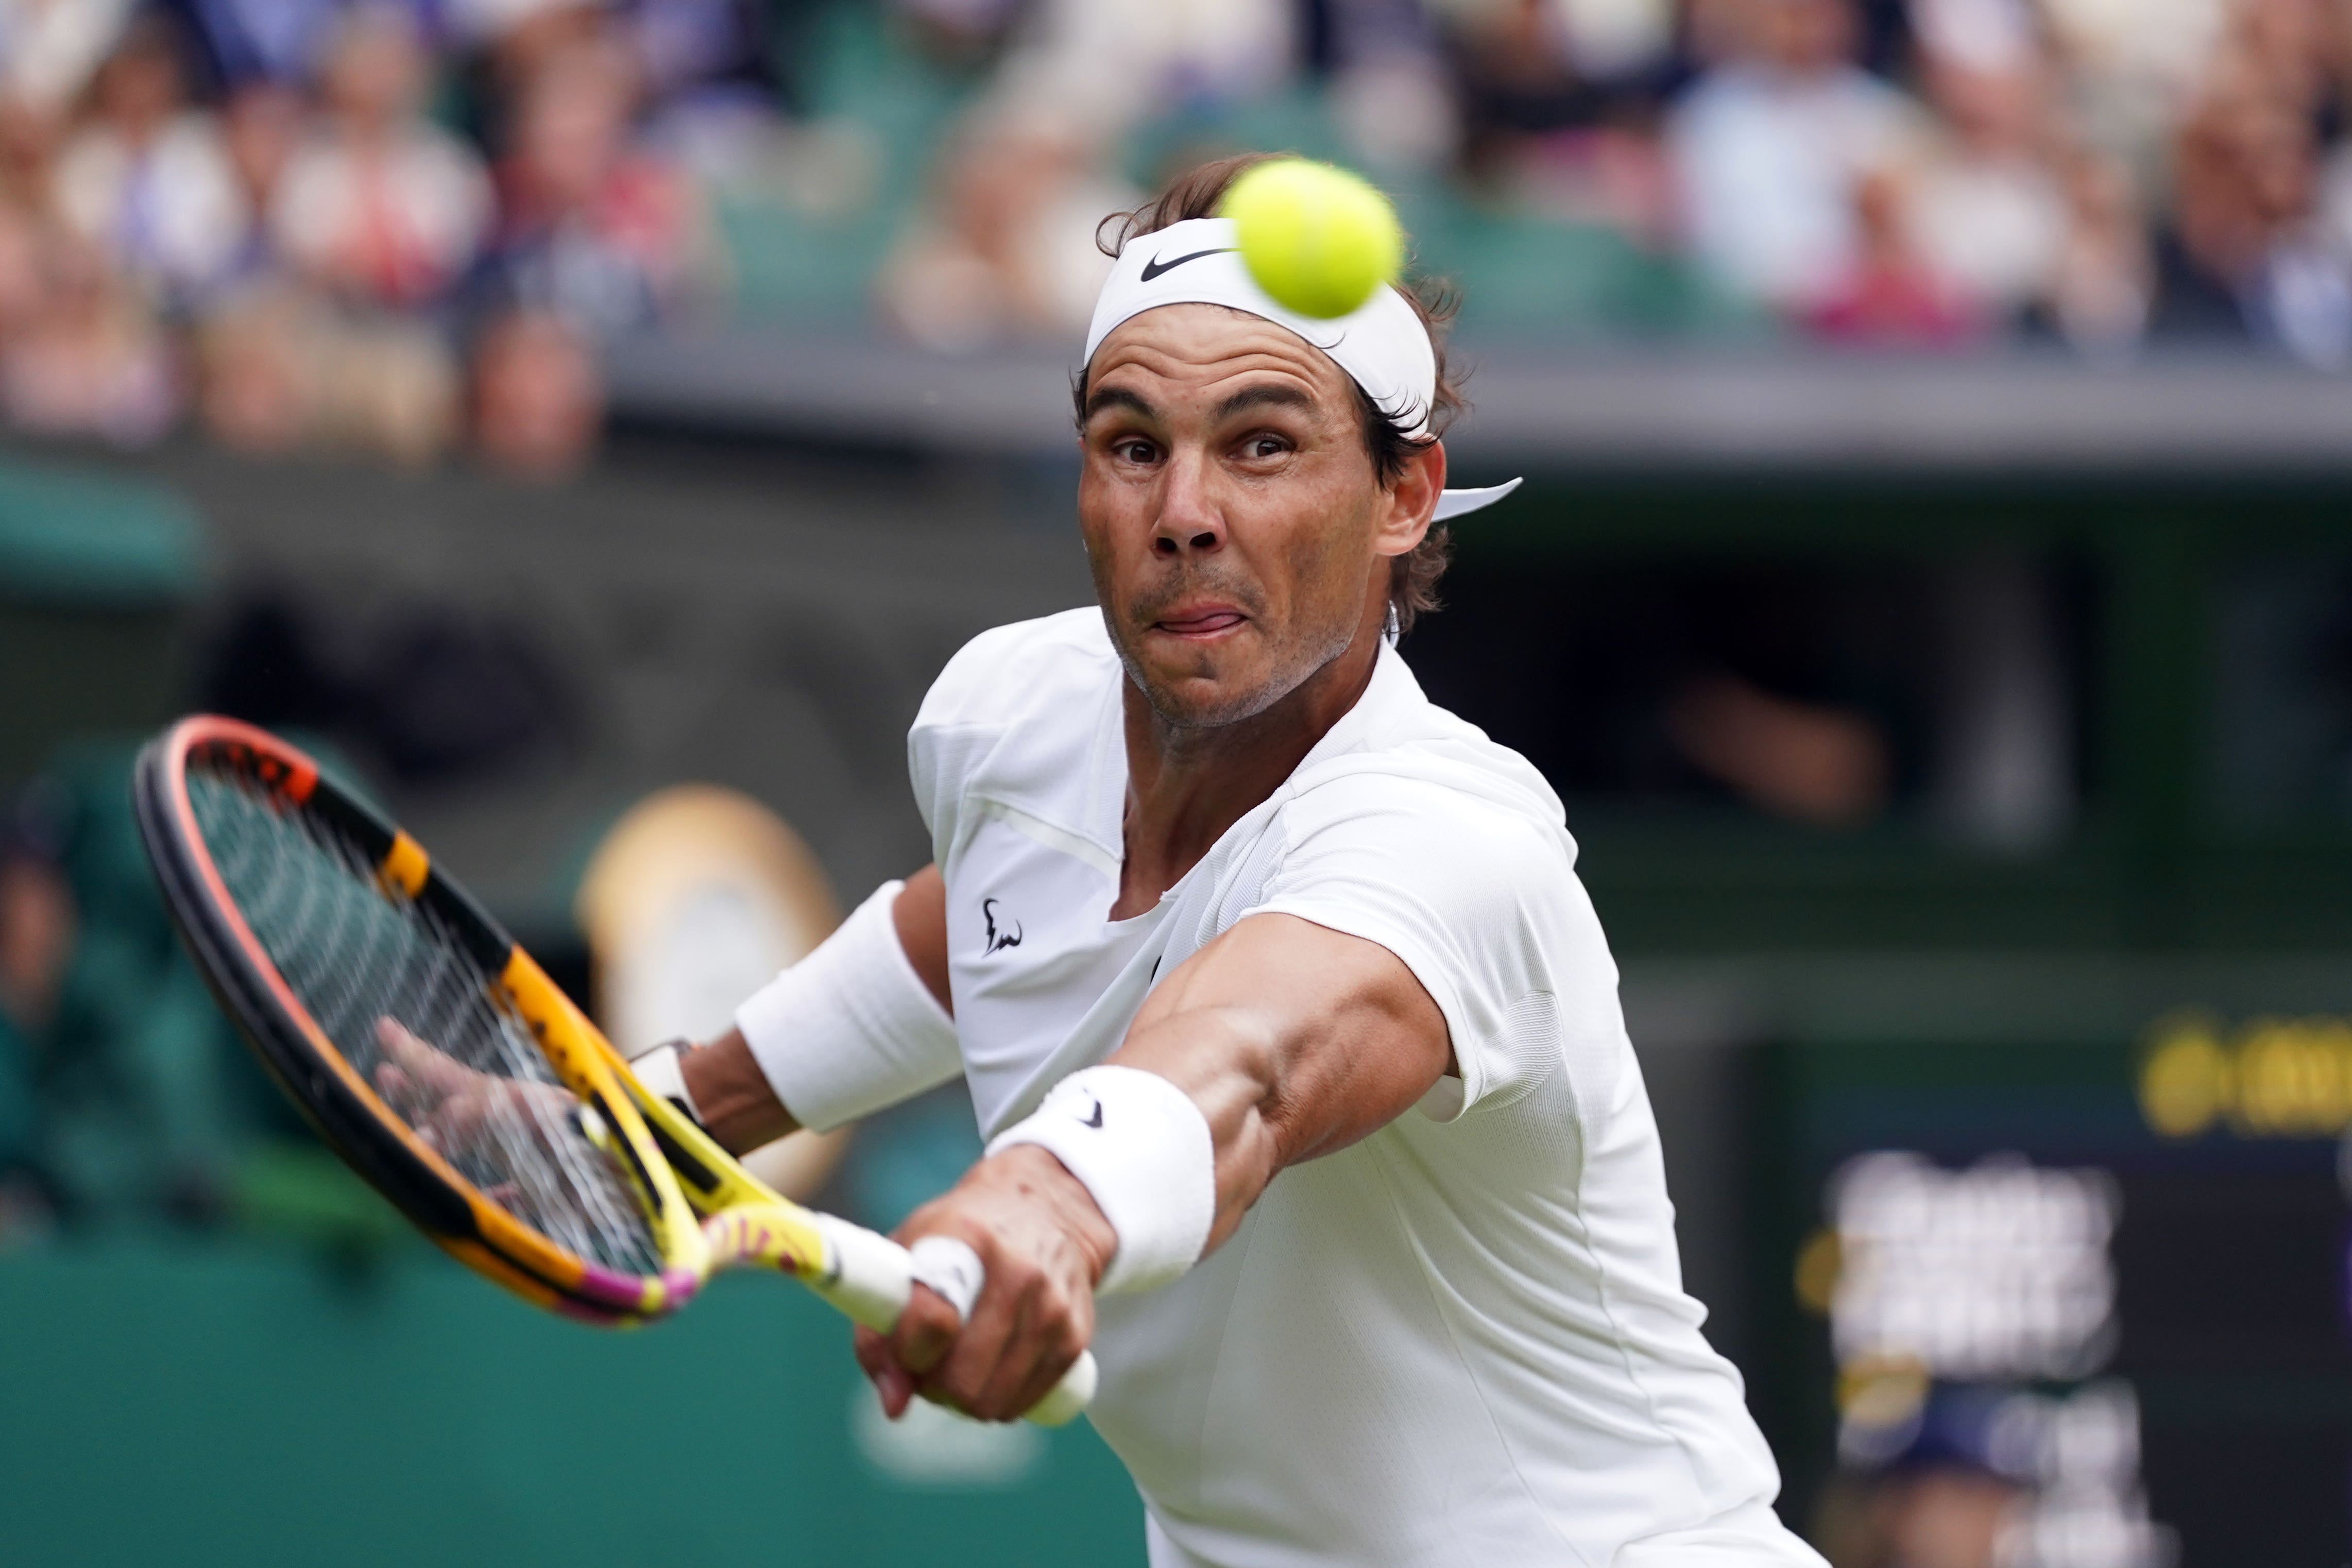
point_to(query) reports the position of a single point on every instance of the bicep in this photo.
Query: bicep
(1294, 1040)
(920, 918)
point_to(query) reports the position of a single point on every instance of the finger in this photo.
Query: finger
(926, 1332)
(962, 1377)
(1025, 1369)
(892, 1382)
(1057, 1354)
(1047, 1331)
(433, 1069)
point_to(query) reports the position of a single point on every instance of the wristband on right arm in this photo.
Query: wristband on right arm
(850, 1028)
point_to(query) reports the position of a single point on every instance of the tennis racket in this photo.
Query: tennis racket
(443, 1066)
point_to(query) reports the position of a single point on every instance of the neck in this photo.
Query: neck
(1185, 785)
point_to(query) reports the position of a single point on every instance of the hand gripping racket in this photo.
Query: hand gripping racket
(440, 1061)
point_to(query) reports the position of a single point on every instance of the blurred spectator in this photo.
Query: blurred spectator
(962, 32)
(1003, 246)
(1104, 66)
(1919, 1485)
(593, 228)
(149, 181)
(49, 50)
(704, 67)
(538, 403)
(1890, 292)
(1986, 209)
(1560, 106)
(2246, 255)
(281, 368)
(1008, 247)
(2102, 284)
(283, 41)
(92, 360)
(261, 125)
(1773, 145)
(2132, 68)
(382, 206)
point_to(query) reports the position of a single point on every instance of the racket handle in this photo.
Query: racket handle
(1069, 1398)
(872, 1279)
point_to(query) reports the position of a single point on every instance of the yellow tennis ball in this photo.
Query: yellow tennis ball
(1316, 239)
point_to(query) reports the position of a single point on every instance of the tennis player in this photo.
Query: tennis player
(1294, 1038)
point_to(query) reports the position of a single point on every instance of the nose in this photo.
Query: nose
(1189, 523)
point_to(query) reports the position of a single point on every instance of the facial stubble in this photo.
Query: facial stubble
(1298, 652)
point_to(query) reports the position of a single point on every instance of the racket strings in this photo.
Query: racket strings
(354, 952)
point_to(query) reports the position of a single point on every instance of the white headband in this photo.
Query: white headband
(1383, 345)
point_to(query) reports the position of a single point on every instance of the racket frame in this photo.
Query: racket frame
(340, 1103)
(707, 1212)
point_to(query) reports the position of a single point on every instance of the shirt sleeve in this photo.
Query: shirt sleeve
(1482, 904)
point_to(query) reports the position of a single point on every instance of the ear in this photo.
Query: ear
(1412, 502)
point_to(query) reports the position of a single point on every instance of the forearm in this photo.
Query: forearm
(737, 1103)
(1280, 1041)
(1293, 1040)
(1229, 1062)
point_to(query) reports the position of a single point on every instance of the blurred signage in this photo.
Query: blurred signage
(1958, 1297)
(2093, 1291)
(1997, 1272)
(2268, 1078)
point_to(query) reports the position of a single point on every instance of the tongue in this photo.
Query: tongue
(1217, 621)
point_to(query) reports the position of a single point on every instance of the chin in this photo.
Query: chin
(1195, 700)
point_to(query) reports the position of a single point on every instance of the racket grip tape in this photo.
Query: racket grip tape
(872, 1278)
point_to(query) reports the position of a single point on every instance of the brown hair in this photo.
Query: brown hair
(1196, 193)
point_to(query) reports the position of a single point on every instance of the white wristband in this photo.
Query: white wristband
(659, 1071)
(1142, 1148)
(851, 1028)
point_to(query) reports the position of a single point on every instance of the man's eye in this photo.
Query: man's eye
(1133, 451)
(1266, 447)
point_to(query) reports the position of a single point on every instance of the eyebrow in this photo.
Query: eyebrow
(1266, 395)
(1117, 397)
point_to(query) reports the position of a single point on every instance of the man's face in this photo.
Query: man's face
(1239, 537)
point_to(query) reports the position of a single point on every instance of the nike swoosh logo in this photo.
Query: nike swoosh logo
(1096, 1119)
(1155, 267)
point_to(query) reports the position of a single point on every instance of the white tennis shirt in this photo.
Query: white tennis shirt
(1461, 1341)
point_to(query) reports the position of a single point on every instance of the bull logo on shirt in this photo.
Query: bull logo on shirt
(998, 941)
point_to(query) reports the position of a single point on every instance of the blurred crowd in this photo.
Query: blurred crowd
(396, 227)
(1925, 172)
(408, 226)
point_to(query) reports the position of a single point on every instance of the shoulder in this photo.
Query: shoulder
(1416, 807)
(1409, 765)
(1011, 673)
(1440, 854)
(1016, 714)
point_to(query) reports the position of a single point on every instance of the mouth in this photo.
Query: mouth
(1200, 623)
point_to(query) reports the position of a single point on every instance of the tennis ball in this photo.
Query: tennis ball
(1316, 239)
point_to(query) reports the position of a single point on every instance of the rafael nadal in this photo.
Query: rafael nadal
(1294, 1035)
